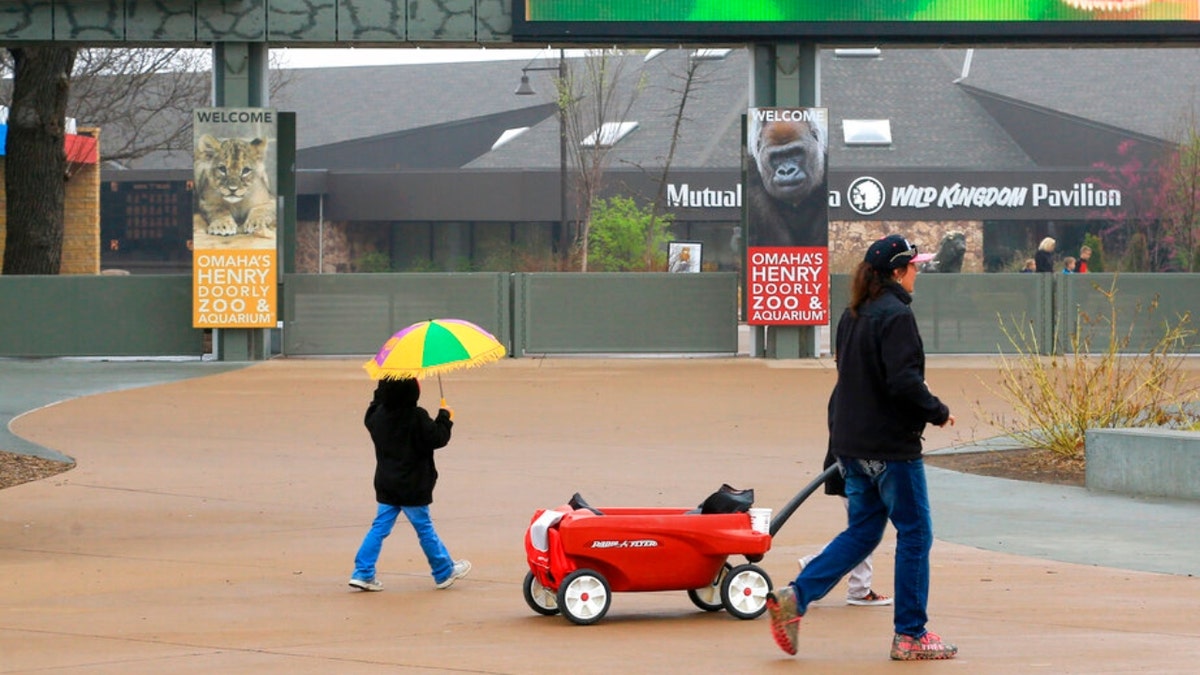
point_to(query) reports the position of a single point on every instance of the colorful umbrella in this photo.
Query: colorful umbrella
(434, 347)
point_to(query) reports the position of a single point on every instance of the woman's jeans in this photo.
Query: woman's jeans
(418, 516)
(880, 491)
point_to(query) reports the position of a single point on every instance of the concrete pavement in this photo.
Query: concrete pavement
(212, 518)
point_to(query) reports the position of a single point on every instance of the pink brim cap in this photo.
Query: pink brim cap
(922, 257)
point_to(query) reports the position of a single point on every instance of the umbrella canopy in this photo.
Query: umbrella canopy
(434, 347)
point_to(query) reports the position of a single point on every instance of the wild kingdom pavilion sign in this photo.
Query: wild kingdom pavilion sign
(935, 195)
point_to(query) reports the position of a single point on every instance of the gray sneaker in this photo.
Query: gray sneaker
(366, 584)
(461, 569)
(785, 617)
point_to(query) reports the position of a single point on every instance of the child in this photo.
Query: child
(1030, 266)
(405, 438)
(1085, 254)
(1068, 265)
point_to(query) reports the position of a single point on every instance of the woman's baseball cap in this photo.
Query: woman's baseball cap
(894, 252)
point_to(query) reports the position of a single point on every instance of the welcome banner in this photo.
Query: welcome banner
(234, 220)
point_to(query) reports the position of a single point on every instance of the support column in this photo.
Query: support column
(785, 75)
(240, 81)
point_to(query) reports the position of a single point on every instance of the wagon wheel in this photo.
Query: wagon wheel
(539, 598)
(708, 598)
(584, 597)
(744, 591)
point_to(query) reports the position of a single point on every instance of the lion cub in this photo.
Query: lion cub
(232, 191)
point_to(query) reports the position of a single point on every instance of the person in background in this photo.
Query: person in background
(1030, 266)
(862, 576)
(1068, 265)
(405, 437)
(1085, 254)
(1045, 255)
(879, 409)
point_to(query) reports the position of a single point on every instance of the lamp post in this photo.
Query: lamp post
(526, 89)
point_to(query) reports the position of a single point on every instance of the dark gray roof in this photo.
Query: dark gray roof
(934, 123)
(1004, 114)
(1146, 90)
(708, 134)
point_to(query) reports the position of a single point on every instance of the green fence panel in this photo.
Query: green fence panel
(1144, 305)
(962, 313)
(553, 313)
(346, 314)
(616, 313)
(147, 315)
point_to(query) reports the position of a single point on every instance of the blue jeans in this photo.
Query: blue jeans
(439, 559)
(878, 492)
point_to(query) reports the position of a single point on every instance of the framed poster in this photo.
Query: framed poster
(684, 256)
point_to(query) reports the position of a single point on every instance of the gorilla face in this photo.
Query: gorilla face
(790, 160)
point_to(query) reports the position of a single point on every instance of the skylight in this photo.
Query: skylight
(508, 135)
(857, 53)
(710, 54)
(608, 135)
(867, 132)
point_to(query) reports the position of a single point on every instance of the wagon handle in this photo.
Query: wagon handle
(789, 508)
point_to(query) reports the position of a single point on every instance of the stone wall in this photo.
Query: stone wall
(315, 257)
(849, 239)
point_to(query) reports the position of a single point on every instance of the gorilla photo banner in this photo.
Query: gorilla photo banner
(786, 216)
(234, 256)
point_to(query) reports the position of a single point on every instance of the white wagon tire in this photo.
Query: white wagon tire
(584, 597)
(744, 591)
(539, 598)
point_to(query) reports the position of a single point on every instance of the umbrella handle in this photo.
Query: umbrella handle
(441, 394)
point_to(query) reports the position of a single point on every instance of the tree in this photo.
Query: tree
(594, 102)
(1139, 218)
(1181, 200)
(688, 81)
(1158, 228)
(622, 233)
(141, 99)
(36, 161)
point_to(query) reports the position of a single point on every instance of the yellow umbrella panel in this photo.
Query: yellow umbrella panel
(434, 347)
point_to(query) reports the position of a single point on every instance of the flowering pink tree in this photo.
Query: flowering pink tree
(1155, 229)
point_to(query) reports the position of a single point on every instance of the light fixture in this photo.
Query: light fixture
(525, 88)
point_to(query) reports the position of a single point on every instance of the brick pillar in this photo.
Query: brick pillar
(81, 216)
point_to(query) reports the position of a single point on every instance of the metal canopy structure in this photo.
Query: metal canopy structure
(327, 23)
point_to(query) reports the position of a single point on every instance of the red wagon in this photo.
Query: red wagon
(578, 556)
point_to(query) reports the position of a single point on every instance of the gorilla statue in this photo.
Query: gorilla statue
(950, 254)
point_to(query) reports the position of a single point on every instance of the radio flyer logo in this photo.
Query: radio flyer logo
(624, 543)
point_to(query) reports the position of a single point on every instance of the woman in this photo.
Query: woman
(878, 411)
(1044, 258)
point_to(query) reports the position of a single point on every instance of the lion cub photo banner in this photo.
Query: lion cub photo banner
(787, 216)
(234, 243)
